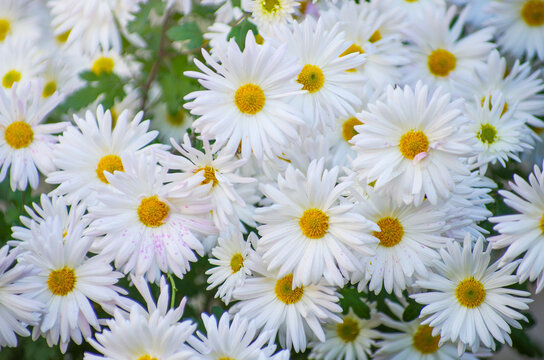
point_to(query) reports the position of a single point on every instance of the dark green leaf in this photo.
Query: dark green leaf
(81, 98)
(352, 299)
(239, 32)
(524, 344)
(186, 31)
(412, 311)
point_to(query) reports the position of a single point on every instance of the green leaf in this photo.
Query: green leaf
(412, 311)
(81, 98)
(524, 344)
(187, 31)
(352, 299)
(239, 32)
(236, 3)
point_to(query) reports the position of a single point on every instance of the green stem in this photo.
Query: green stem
(174, 289)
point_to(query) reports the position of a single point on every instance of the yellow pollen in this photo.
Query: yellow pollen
(61, 282)
(413, 143)
(504, 109)
(64, 233)
(441, 62)
(177, 119)
(487, 134)
(348, 330)
(152, 212)
(236, 262)
(103, 65)
(62, 38)
(49, 89)
(209, 175)
(311, 77)
(18, 135)
(424, 341)
(354, 48)
(532, 12)
(314, 223)
(375, 37)
(271, 6)
(541, 224)
(225, 358)
(10, 77)
(348, 128)
(249, 99)
(470, 293)
(4, 28)
(109, 163)
(391, 231)
(285, 292)
(147, 357)
(410, 1)
(259, 39)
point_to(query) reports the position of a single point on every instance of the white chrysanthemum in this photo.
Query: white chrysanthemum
(86, 151)
(171, 125)
(310, 230)
(499, 135)
(148, 226)
(67, 282)
(276, 306)
(409, 237)
(26, 144)
(21, 20)
(478, 14)
(523, 233)
(238, 340)
(22, 61)
(519, 85)
(438, 54)
(270, 13)
(520, 26)
(414, 341)
(351, 339)
(411, 144)
(245, 104)
(322, 60)
(411, 9)
(217, 169)
(469, 301)
(145, 335)
(61, 73)
(17, 309)
(109, 62)
(231, 257)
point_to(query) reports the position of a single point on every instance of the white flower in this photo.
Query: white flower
(17, 309)
(26, 144)
(268, 13)
(149, 226)
(245, 101)
(411, 144)
(21, 20)
(520, 26)
(22, 61)
(469, 301)
(523, 233)
(171, 125)
(309, 231)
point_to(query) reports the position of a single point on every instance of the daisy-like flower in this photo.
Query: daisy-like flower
(245, 104)
(67, 281)
(411, 9)
(233, 340)
(61, 73)
(438, 54)
(323, 59)
(18, 310)
(523, 233)
(147, 226)
(469, 301)
(520, 26)
(218, 171)
(409, 237)
(145, 335)
(278, 307)
(411, 144)
(308, 231)
(270, 13)
(25, 143)
(21, 62)
(20, 19)
(351, 339)
(414, 341)
(86, 151)
(231, 258)
(171, 125)
(499, 135)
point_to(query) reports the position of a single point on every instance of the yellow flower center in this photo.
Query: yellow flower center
(236, 262)
(348, 330)
(285, 292)
(61, 282)
(391, 231)
(62, 38)
(147, 357)
(311, 77)
(18, 135)
(225, 358)
(441, 62)
(314, 223)
(532, 12)
(541, 224)
(348, 128)
(487, 134)
(109, 163)
(177, 119)
(413, 143)
(504, 109)
(354, 48)
(209, 175)
(470, 293)
(49, 89)
(249, 99)
(10, 78)
(259, 39)
(375, 37)
(152, 212)
(271, 6)
(410, 1)
(103, 65)
(4, 28)
(424, 341)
